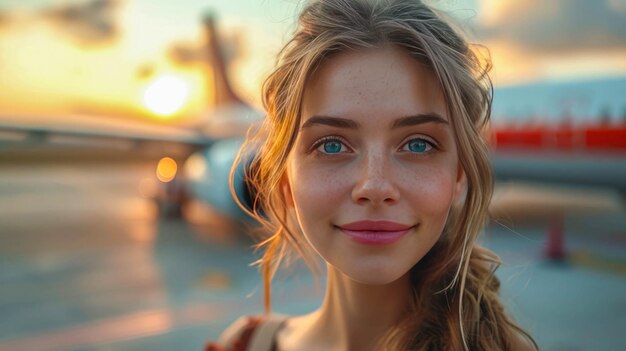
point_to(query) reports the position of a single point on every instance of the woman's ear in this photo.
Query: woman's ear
(285, 190)
(460, 187)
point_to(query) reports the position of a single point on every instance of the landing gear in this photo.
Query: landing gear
(171, 198)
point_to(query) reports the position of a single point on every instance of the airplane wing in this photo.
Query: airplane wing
(578, 169)
(25, 131)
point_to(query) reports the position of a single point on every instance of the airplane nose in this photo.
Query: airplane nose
(375, 183)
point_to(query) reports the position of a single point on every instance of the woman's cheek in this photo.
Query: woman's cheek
(430, 192)
(313, 186)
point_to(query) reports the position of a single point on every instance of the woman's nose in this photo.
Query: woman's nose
(374, 181)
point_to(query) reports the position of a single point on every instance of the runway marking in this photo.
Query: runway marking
(121, 328)
(215, 280)
(594, 261)
(146, 324)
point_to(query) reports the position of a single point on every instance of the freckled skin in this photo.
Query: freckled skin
(374, 177)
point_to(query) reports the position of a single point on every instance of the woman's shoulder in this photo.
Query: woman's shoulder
(523, 342)
(249, 333)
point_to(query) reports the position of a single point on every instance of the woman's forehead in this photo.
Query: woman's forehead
(379, 81)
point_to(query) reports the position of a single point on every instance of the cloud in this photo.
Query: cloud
(92, 22)
(4, 18)
(188, 53)
(555, 26)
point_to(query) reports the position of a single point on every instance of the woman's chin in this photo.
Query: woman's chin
(374, 274)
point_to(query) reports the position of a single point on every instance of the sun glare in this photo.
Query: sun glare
(166, 95)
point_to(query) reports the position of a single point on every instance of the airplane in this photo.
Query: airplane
(585, 155)
(579, 156)
(206, 172)
(207, 149)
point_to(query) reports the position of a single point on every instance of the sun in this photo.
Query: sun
(166, 95)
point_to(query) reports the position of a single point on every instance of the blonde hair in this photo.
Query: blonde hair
(456, 304)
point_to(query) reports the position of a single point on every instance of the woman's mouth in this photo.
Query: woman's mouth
(375, 232)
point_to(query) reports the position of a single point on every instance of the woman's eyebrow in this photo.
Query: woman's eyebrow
(331, 121)
(339, 122)
(419, 119)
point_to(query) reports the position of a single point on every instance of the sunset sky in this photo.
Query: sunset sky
(103, 56)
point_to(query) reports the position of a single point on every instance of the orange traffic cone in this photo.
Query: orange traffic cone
(555, 244)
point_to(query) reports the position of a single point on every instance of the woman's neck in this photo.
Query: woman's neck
(353, 316)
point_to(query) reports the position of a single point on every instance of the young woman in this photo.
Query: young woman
(371, 158)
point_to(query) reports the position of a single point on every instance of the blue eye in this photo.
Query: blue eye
(332, 147)
(418, 145)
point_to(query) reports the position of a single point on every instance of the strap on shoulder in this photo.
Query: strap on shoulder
(237, 336)
(249, 333)
(264, 337)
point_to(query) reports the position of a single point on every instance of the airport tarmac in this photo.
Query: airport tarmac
(86, 263)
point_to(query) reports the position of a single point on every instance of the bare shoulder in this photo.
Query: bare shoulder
(522, 342)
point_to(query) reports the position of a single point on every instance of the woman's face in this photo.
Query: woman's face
(375, 170)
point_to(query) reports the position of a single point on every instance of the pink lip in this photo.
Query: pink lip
(375, 232)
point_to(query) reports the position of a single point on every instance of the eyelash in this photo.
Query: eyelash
(344, 143)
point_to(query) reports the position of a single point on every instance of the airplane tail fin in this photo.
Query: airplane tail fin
(222, 90)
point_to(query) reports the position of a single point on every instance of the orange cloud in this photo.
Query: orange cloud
(4, 19)
(187, 53)
(559, 39)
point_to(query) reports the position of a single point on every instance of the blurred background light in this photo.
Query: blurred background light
(166, 169)
(165, 95)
